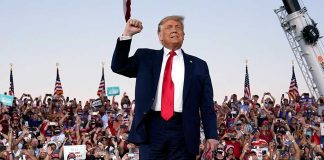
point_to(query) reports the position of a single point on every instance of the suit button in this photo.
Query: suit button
(144, 113)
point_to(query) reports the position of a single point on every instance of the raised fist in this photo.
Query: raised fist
(132, 27)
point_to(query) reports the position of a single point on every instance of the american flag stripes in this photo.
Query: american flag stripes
(127, 9)
(247, 92)
(11, 88)
(293, 88)
(102, 85)
(58, 90)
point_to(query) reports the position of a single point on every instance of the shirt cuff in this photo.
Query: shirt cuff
(122, 38)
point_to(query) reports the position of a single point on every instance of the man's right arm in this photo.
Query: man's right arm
(121, 63)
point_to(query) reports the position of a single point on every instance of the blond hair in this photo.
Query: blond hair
(174, 17)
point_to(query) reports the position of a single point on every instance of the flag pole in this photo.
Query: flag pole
(103, 64)
(103, 67)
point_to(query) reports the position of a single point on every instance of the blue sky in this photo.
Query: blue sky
(80, 34)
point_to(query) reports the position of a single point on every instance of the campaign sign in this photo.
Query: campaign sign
(6, 99)
(79, 152)
(113, 91)
(322, 129)
(97, 103)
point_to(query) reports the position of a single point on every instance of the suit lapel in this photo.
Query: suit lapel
(188, 74)
(157, 68)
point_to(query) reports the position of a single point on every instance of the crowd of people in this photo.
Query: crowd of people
(38, 128)
(270, 129)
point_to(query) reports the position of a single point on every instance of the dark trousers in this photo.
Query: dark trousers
(166, 139)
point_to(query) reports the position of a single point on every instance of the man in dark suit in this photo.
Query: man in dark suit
(173, 93)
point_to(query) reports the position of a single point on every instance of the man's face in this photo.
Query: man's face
(34, 116)
(34, 142)
(171, 34)
(42, 154)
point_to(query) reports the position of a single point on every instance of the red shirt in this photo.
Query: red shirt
(237, 148)
(267, 136)
(316, 139)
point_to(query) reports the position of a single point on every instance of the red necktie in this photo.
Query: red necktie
(167, 106)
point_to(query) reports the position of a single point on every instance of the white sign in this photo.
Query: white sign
(260, 151)
(79, 151)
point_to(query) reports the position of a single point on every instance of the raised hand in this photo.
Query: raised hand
(132, 27)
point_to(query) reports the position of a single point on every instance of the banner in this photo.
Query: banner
(97, 103)
(260, 152)
(113, 91)
(79, 151)
(6, 99)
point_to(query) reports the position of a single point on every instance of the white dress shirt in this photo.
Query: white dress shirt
(177, 75)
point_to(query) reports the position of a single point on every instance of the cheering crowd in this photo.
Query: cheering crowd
(268, 129)
(38, 128)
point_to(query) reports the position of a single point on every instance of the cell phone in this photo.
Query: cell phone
(123, 126)
(233, 112)
(53, 123)
(264, 152)
(131, 155)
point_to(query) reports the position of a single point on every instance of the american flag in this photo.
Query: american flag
(11, 88)
(102, 86)
(293, 88)
(127, 9)
(58, 90)
(247, 92)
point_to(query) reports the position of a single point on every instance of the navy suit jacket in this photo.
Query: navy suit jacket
(145, 66)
